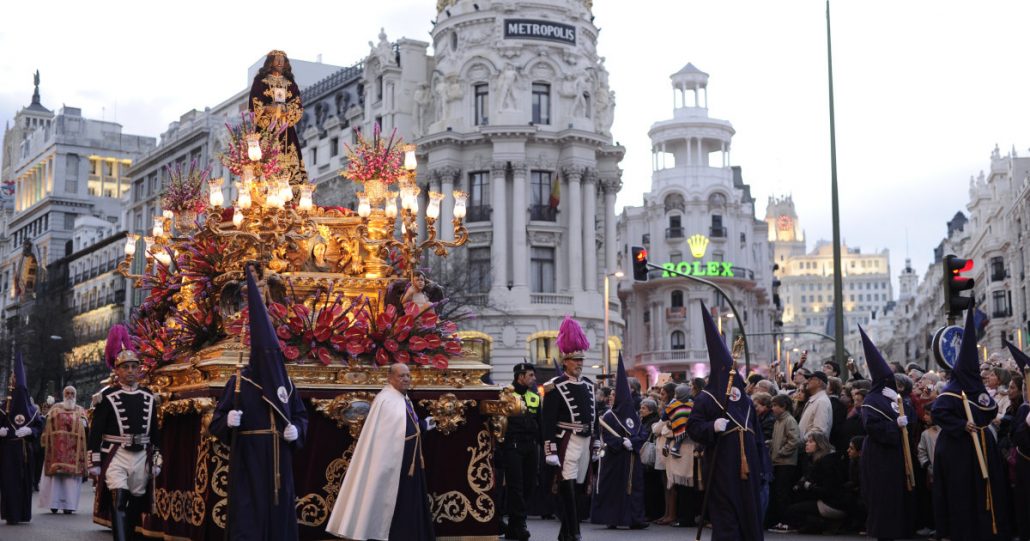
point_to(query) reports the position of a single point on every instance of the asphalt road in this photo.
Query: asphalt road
(79, 526)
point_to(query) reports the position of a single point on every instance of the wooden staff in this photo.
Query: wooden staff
(906, 449)
(233, 435)
(976, 440)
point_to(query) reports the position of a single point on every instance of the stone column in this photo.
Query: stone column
(499, 224)
(519, 236)
(611, 189)
(574, 210)
(448, 177)
(590, 230)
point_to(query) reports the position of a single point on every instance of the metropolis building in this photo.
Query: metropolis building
(698, 219)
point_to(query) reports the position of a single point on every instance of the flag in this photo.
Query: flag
(555, 192)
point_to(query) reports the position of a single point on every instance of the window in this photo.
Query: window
(94, 167)
(481, 94)
(675, 230)
(71, 166)
(677, 299)
(334, 147)
(379, 88)
(541, 103)
(137, 194)
(542, 270)
(678, 340)
(314, 155)
(108, 168)
(997, 269)
(479, 207)
(479, 270)
(717, 229)
(1002, 303)
(541, 209)
(544, 349)
(71, 186)
(676, 257)
(69, 221)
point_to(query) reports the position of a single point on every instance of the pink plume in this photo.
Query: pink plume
(118, 340)
(571, 338)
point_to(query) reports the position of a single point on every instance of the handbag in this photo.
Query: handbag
(648, 452)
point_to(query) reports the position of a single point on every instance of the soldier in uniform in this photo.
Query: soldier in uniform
(520, 451)
(570, 442)
(124, 438)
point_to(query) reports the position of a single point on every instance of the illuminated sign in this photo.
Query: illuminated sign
(532, 29)
(699, 268)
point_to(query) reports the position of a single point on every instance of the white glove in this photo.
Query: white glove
(23, 432)
(627, 444)
(155, 470)
(290, 433)
(890, 393)
(430, 423)
(233, 418)
(3, 429)
(720, 424)
(94, 471)
(902, 420)
(1027, 421)
(552, 460)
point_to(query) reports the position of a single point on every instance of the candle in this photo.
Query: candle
(410, 162)
(159, 229)
(305, 203)
(149, 243)
(215, 196)
(130, 244)
(162, 257)
(248, 174)
(243, 200)
(285, 191)
(459, 204)
(237, 217)
(169, 215)
(433, 210)
(391, 206)
(254, 147)
(364, 209)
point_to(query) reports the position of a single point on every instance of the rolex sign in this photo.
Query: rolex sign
(546, 30)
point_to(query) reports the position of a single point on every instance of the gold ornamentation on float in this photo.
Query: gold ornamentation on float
(448, 411)
(348, 409)
(454, 506)
(507, 405)
(189, 405)
(188, 505)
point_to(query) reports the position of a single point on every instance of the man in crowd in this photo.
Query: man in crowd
(266, 414)
(889, 502)
(124, 439)
(568, 425)
(817, 414)
(969, 493)
(383, 495)
(20, 425)
(619, 498)
(520, 451)
(64, 465)
(724, 421)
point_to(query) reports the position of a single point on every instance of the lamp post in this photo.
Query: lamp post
(606, 350)
(57, 338)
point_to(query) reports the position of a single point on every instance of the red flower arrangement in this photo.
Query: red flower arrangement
(377, 159)
(236, 156)
(414, 336)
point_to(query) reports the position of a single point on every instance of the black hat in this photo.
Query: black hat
(522, 367)
(820, 375)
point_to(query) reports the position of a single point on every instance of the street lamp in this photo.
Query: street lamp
(606, 350)
(57, 338)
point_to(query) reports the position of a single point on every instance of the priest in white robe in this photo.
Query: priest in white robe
(383, 495)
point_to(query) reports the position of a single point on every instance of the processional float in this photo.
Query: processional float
(335, 282)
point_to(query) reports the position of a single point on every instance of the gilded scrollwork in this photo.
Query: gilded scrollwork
(507, 405)
(448, 411)
(189, 405)
(189, 505)
(348, 409)
(455, 506)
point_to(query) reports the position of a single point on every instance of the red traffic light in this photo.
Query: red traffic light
(639, 263)
(955, 284)
(641, 256)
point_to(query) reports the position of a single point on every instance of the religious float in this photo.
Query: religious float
(346, 301)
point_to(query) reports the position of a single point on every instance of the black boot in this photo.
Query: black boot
(570, 515)
(517, 529)
(119, 515)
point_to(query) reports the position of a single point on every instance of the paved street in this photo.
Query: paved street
(79, 526)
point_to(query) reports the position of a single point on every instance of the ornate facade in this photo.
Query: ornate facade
(698, 219)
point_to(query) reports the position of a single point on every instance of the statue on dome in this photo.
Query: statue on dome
(275, 101)
(383, 51)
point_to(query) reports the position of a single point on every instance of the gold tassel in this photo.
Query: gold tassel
(744, 471)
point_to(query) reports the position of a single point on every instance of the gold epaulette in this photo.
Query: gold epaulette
(548, 387)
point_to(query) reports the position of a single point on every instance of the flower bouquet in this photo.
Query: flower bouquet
(376, 164)
(184, 194)
(237, 155)
(414, 336)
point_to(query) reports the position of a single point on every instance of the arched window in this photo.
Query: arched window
(677, 299)
(678, 340)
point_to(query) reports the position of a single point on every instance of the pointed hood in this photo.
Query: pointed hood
(879, 371)
(1021, 358)
(267, 365)
(965, 376)
(625, 408)
(719, 358)
(21, 411)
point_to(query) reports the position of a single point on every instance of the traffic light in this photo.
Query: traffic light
(639, 264)
(955, 284)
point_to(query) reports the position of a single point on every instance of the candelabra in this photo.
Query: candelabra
(377, 207)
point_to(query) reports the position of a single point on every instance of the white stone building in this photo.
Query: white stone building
(698, 218)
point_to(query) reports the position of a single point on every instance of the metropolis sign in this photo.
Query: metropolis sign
(531, 29)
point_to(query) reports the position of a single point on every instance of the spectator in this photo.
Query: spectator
(819, 494)
(997, 382)
(664, 435)
(853, 486)
(840, 412)
(927, 445)
(783, 448)
(765, 417)
(831, 369)
(767, 386)
(817, 413)
(634, 387)
(654, 488)
(853, 422)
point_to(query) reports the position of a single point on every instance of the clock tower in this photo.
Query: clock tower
(785, 232)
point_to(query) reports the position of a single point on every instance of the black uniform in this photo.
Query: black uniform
(123, 440)
(520, 458)
(568, 429)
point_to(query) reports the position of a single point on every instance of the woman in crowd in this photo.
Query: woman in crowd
(819, 496)
(654, 487)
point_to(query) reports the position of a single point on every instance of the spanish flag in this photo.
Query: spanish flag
(555, 192)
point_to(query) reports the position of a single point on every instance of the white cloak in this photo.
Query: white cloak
(365, 504)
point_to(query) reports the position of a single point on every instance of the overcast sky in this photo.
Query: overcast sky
(924, 89)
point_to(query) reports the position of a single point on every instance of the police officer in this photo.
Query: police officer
(124, 438)
(520, 451)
